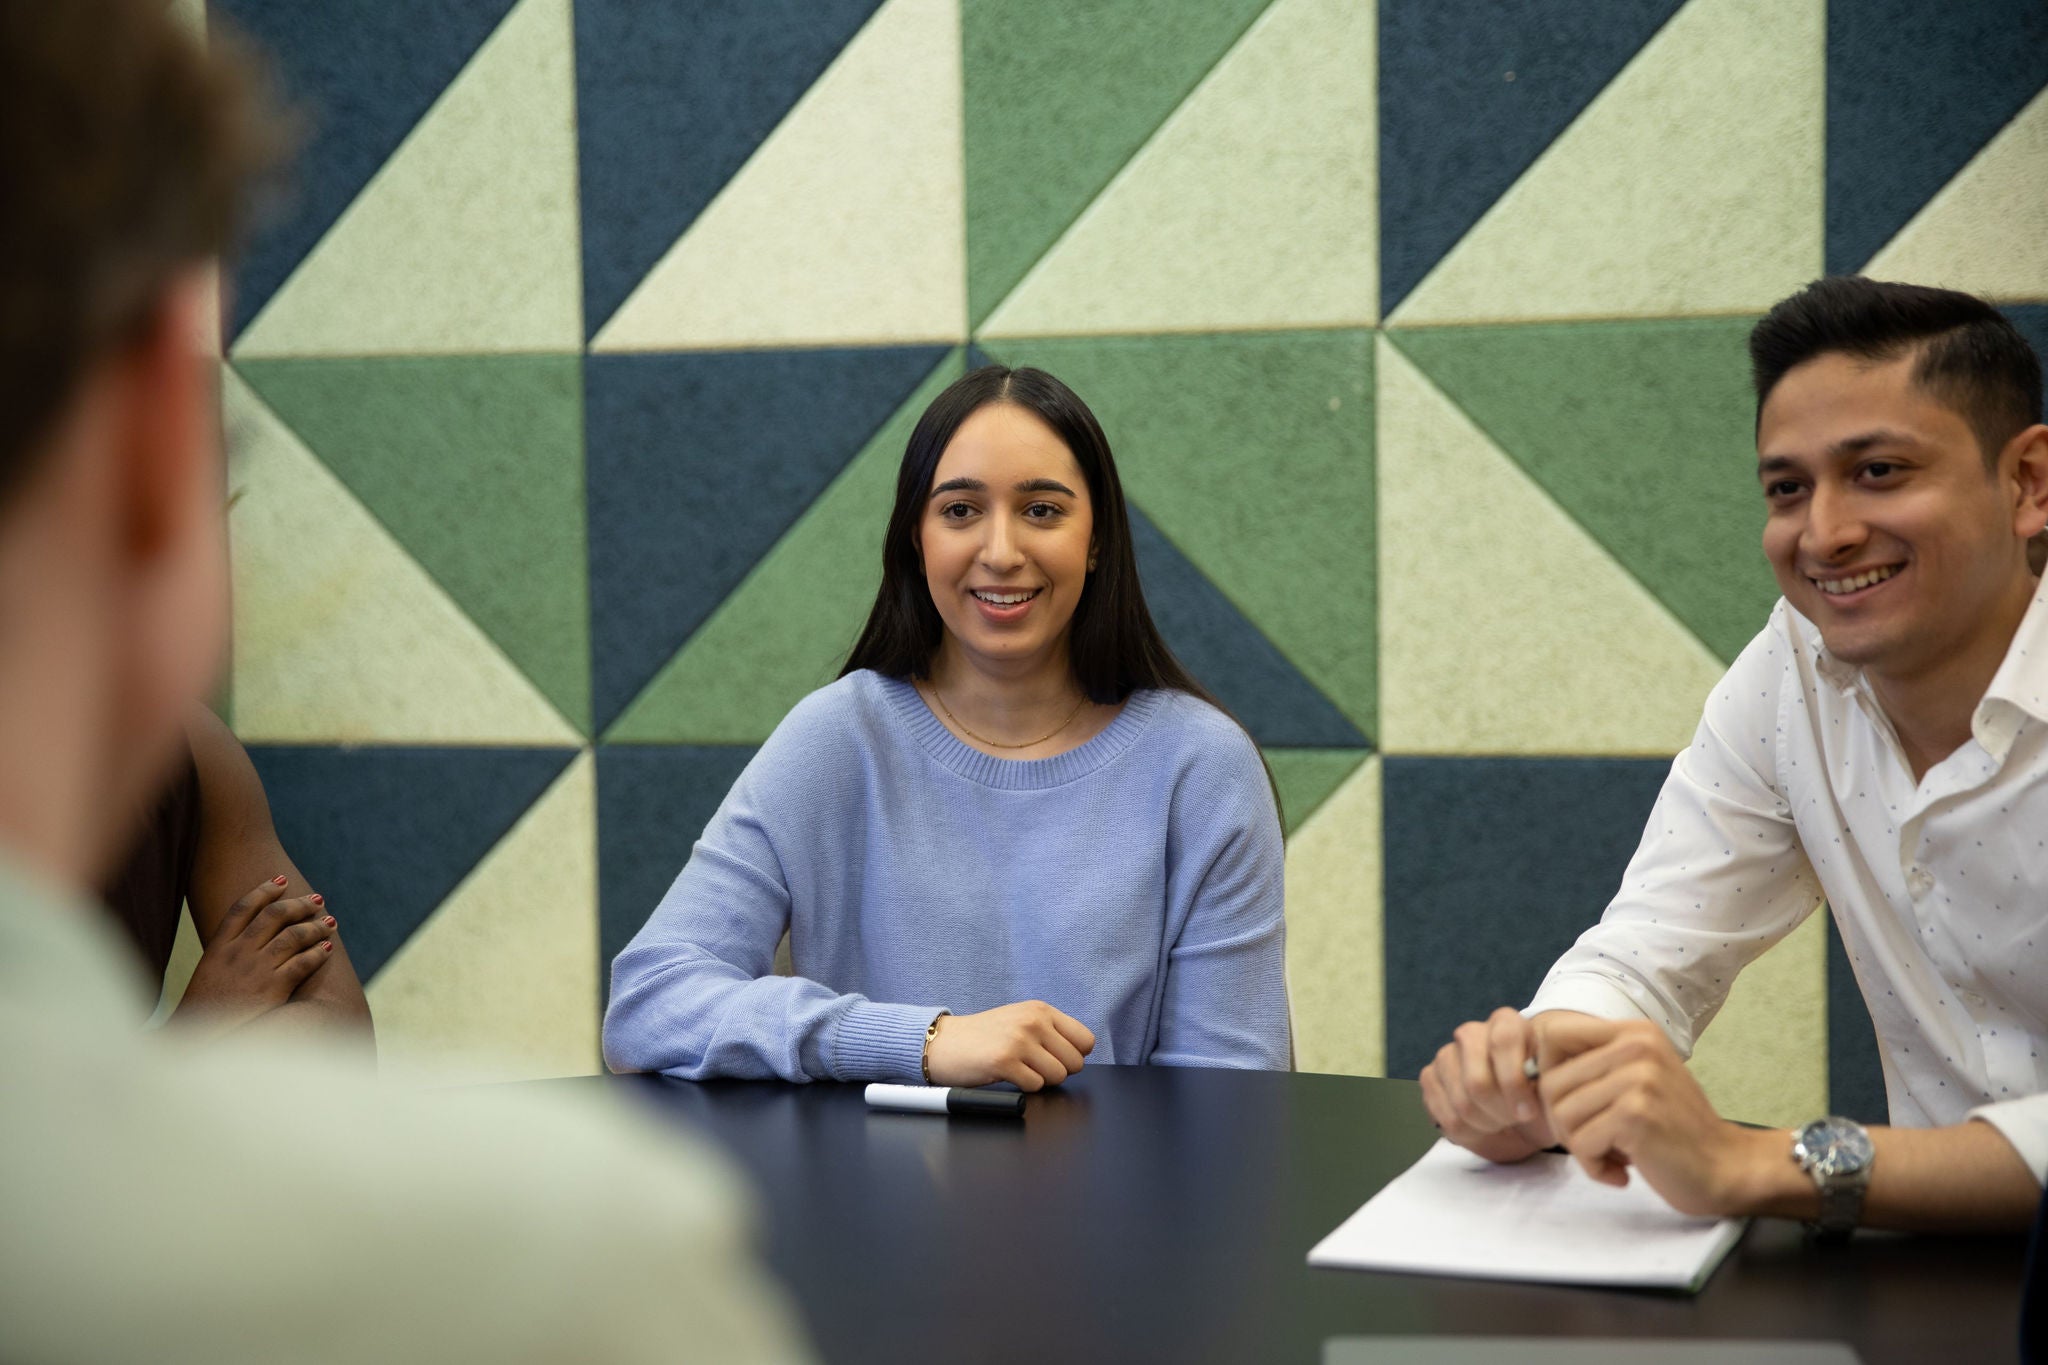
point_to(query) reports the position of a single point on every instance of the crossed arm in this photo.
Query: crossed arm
(266, 961)
(1617, 1096)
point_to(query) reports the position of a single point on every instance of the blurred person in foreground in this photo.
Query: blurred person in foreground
(233, 1202)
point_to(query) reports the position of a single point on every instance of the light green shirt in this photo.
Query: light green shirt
(246, 1201)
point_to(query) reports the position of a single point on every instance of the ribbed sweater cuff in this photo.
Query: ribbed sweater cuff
(882, 1043)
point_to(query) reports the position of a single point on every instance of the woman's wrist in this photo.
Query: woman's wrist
(931, 1034)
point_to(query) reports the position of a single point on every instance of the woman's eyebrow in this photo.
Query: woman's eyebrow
(1044, 486)
(959, 486)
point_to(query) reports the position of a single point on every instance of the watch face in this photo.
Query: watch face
(1836, 1146)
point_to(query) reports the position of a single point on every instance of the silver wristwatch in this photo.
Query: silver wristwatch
(1838, 1154)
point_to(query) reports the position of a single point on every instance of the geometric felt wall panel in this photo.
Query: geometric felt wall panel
(653, 802)
(1642, 432)
(388, 833)
(1982, 231)
(361, 72)
(844, 226)
(2032, 320)
(1914, 90)
(341, 636)
(1504, 628)
(1253, 452)
(1307, 777)
(1471, 92)
(1058, 98)
(1252, 206)
(500, 982)
(670, 102)
(1493, 867)
(465, 240)
(1336, 980)
(1691, 184)
(475, 464)
(786, 629)
(697, 464)
(1855, 1074)
(1227, 654)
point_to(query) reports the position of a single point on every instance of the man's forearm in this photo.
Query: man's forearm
(1964, 1178)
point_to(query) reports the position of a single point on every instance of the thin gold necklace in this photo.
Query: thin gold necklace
(947, 711)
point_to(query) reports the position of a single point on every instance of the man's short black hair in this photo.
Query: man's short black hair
(1971, 358)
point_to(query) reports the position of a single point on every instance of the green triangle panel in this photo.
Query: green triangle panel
(1306, 778)
(475, 463)
(1643, 432)
(1058, 98)
(1253, 452)
(786, 629)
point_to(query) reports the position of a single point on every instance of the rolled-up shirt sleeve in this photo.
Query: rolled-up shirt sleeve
(1718, 878)
(2023, 1123)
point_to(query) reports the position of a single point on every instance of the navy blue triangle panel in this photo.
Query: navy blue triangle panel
(1471, 92)
(979, 359)
(1855, 1070)
(359, 73)
(696, 466)
(2032, 320)
(1229, 655)
(671, 100)
(1493, 867)
(386, 833)
(652, 803)
(1914, 91)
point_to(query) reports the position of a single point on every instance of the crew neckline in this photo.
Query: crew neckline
(1018, 774)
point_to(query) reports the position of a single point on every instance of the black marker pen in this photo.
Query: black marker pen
(939, 1099)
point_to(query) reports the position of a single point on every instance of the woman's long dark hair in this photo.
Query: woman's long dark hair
(1112, 644)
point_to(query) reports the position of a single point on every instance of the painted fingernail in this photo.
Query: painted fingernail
(317, 898)
(326, 945)
(277, 881)
(329, 922)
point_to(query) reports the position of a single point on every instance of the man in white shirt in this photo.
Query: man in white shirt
(1882, 744)
(249, 1200)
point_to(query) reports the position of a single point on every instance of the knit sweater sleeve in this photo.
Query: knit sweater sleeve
(1224, 1000)
(694, 995)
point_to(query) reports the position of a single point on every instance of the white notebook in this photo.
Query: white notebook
(1544, 1219)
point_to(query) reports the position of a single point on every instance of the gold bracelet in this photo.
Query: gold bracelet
(932, 1031)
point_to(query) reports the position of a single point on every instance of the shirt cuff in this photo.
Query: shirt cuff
(1601, 997)
(2024, 1123)
(882, 1043)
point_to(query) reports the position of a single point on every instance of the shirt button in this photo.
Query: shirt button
(1919, 882)
(1972, 998)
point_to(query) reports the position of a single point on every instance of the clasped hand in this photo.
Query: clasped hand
(1614, 1095)
(1031, 1045)
(265, 947)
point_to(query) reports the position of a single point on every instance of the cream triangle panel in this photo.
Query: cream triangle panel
(1764, 1059)
(1504, 628)
(847, 225)
(1336, 959)
(1690, 185)
(1983, 231)
(467, 239)
(1252, 206)
(501, 982)
(340, 636)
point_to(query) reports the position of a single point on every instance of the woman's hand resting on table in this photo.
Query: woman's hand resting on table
(1031, 1045)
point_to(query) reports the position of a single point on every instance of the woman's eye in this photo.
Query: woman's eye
(1879, 469)
(955, 511)
(1783, 488)
(1042, 511)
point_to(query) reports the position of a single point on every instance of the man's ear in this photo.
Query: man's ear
(2026, 456)
(165, 420)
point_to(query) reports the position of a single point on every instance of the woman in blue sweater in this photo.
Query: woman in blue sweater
(1013, 834)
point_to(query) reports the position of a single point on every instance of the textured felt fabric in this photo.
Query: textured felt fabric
(696, 465)
(914, 873)
(670, 102)
(387, 833)
(475, 465)
(1471, 92)
(1913, 91)
(361, 73)
(1643, 433)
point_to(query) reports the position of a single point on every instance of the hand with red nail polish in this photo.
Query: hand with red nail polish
(265, 947)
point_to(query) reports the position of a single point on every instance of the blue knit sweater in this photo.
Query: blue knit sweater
(1133, 882)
